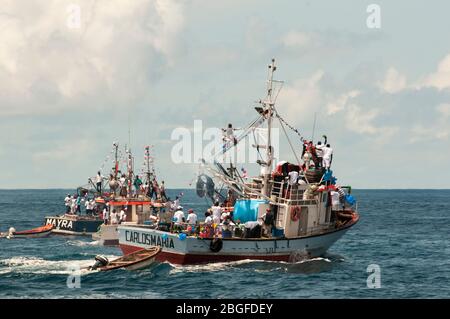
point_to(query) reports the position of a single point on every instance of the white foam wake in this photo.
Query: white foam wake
(211, 267)
(80, 243)
(36, 265)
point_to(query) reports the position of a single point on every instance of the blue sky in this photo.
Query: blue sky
(382, 96)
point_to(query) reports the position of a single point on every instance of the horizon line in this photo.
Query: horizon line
(193, 188)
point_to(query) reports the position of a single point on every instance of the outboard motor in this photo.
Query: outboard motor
(100, 261)
(10, 233)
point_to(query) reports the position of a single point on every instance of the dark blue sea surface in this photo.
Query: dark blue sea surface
(404, 232)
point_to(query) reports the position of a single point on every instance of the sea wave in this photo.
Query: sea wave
(35, 265)
(266, 265)
(211, 267)
(81, 243)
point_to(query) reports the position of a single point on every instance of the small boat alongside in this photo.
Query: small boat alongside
(137, 260)
(38, 232)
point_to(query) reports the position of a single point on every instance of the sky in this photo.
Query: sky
(77, 75)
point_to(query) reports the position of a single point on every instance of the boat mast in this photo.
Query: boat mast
(116, 159)
(130, 170)
(147, 163)
(268, 105)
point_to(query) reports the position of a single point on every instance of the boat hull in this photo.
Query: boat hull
(142, 264)
(35, 235)
(138, 260)
(193, 250)
(73, 225)
(107, 235)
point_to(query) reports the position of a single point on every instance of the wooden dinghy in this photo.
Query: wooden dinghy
(137, 260)
(38, 232)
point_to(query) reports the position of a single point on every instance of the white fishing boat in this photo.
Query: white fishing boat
(139, 208)
(305, 221)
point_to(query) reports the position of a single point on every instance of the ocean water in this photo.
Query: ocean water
(404, 232)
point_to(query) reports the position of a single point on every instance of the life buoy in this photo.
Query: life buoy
(216, 245)
(295, 213)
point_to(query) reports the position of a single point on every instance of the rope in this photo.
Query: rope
(230, 144)
(289, 126)
(290, 144)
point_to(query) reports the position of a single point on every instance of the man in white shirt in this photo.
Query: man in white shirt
(176, 202)
(87, 206)
(179, 219)
(335, 201)
(122, 216)
(113, 217)
(217, 213)
(293, 177)
(192, 218)
(68, 202)
(229, 135)
(319, 152)
(92, 206)
(327, 157)
(73, 205)
(105, 215)
(178, 216)
(99, 180)
(208, 219)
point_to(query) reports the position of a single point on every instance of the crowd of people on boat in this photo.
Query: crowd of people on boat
(74, 204)
(218, 222)
(126, 186)
(321, 155)
(113, 216)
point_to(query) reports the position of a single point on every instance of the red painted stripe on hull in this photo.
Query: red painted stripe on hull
(180, 259)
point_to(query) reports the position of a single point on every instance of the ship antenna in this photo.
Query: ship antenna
(268, 105)
(129, 131)
(314, 126)
(116, 164)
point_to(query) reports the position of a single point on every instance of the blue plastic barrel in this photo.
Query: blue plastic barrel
(246, 210)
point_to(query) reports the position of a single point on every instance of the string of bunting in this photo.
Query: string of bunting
(289, 126)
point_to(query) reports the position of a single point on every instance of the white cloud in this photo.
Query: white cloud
(437, 130)
(297, 39)
(361, 122)
(441, 78)
(64, 151)
(393, 82)
(46, 66)
(338, 104)
(301, 98)
(444, 109)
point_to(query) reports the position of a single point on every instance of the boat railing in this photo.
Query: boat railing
(284, 193)
(253, 189)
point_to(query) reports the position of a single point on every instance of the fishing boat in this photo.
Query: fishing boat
(73, 223)
(38, 232)
(138, 211)
(300, 197)
(70, 224)
(135, 261)
(140, 208)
